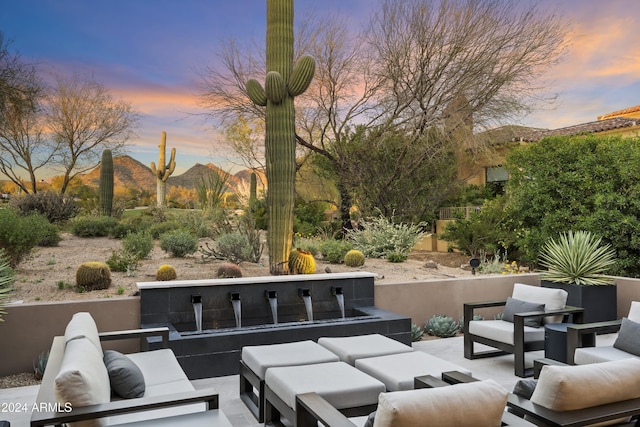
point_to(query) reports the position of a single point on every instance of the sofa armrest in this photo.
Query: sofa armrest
(581, 417)
(470, 307)
(208, 396)
(312, 408)
(584, 335)
(141, 334)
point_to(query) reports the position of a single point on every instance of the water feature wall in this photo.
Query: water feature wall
(270, 309)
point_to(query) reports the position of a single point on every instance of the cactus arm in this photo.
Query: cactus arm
(302, 75)
(153, 168)
(274, 87)
(256, 93)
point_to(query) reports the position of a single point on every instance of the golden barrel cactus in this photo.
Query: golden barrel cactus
(301, 262)
(166, 272)
(354, 258)
(93, 275)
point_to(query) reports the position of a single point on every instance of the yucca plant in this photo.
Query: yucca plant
(578, 258)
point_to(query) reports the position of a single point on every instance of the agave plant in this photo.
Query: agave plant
(577, 258)
(7, 277)
(416, 332)
(441, 326)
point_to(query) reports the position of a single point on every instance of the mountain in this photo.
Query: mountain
(192, 177)
(127, 173)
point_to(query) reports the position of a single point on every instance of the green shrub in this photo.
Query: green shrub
(159, 228)
(54, 206)
(333, 251)
(308, 217)
(50, 235)
(20, 234)
(179, 243)
(93, 226)
(396, 257)
(234, 247)
(123, 261)
(309, 245)
(130, 225)
(381, 236)
(140, 244)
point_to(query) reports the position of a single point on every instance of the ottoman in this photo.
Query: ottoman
(257, 359)
(344, 387)
(397, 371)
(349, 349)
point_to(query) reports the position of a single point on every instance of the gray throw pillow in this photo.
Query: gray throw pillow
(370, 420)
(125, 376)
(525, 388)
(514, 306)
(628, 337)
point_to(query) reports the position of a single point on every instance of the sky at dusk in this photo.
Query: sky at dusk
(149, 52)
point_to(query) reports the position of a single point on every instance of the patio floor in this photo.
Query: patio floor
(451, 349)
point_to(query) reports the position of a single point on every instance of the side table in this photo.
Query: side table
(555, 341)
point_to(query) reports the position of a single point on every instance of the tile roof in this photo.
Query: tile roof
(583, 128)
(620, 112)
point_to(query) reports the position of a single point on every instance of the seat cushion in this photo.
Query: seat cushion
(566, 388)
(261, 357)
(634, 311)
(553, 299)
(339, 383)
(587, 355)
(82, 379)
(397, 371)
(82, 325)
(499, 330)
(349, 349)
(480, 404)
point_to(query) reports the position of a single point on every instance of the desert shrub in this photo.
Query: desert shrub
(234, 247)
(166, 272)
(382, 236)
(309, 245)
(93, 276)
(123, 261)
(130, 225)
(157, 214)
(159, 228)
(50, 235)
(308, 217)
(333, 251)
(53, 206)
(228, 270)
(396, 257)
(93, 226)
(140, 244)
(20, 234)
(196, 222)
(179, 243)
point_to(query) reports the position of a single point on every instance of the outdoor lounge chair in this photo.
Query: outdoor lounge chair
(581, 347)
(520, 329)
(583, 395)
(477, 403)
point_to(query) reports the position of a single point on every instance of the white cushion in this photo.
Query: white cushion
(82, 379)
(83, 325)
(349, 349)
(553, 299)
(480, 404)
(587, 355)
(397, 371)
(566, 388)
(261, 357)
(339, 383)
(499, 330)
(634, 311)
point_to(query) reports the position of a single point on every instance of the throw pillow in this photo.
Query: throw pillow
(370, 420)
(525, 388)
(514, 306)
(628, 337)
(125, 377)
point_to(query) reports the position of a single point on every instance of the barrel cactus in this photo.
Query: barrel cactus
(228, 270)
(441, 326)
(283, 82)
(166, 272)
(301, 262)
(92, 276)
(354, 258)
(106, 183)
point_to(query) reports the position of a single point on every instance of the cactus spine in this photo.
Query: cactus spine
(106, 183)
(283, 82)
(164, 170)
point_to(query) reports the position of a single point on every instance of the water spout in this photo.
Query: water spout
(272, 297)
(196, 301)
(237, 308)
(337, 292)
(306, 297)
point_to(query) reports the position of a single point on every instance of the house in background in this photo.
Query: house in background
(485, 167)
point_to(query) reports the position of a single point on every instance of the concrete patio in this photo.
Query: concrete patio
(451, 349)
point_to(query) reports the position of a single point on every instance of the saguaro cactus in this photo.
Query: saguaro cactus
(106, 183)
(164, 171)
(253, 190)
(283, 82)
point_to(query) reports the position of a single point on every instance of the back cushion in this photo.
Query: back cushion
(562, 388)
(553, 299)
(82, 379)
(452, 406)
(82, 325)
(634, 312)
